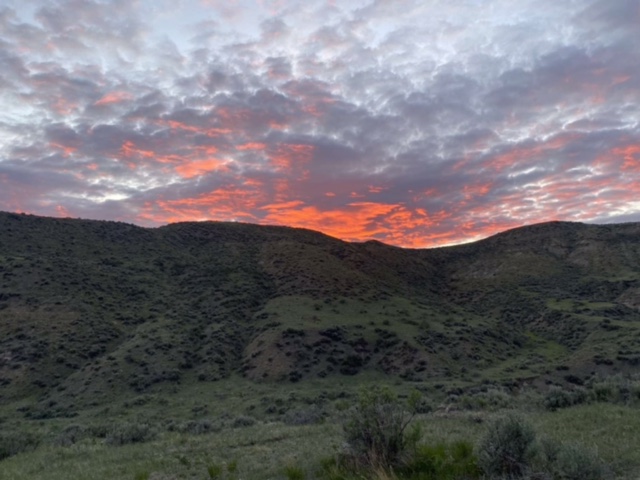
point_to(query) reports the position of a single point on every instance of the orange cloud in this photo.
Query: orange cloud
(67, 151)
(62, 106)
(200, 167)
(129, 150)
(209, 132)
(625, 158)
(620, 79)
(358, 221)
(225, 203)
(113, 97)
(62, 211)
(251, 146)
(472, 191)
(205, 150)
(522, 155)
(631, 156)
(352, 223)
(290, 155)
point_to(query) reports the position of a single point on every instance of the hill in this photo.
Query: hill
(91, 311)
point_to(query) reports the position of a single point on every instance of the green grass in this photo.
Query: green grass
(611, 430)
(261, 452)
(267, 450)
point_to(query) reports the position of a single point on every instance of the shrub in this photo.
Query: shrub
(126, 433)
(576, 463)
(98, 431)
(375, 431)
(492, 399)
(294, 473)
(232, 466)
(570, 462)
(70, 435)
(442, 462)
(199, 427)
(215, 471)
(616, 389)
(557, 398)
(507, 448)
(306, 416)
(13, 443)
(243, 421)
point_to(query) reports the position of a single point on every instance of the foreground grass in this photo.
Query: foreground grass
(261, 452)
(267, 450)
(610, 430)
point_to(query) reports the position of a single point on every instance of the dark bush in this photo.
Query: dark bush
(507, 448)
(126, 433)
(570, 462)
(557, 398)
(199, 427)
(304, 416)
(71, 435)
(576, 463)
(442, 462)
(376, 429)
(243, 421)
(13, 443)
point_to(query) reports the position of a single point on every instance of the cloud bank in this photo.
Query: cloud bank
(414, 123)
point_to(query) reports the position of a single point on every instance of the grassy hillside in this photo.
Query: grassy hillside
(226, 336)
(91, 311)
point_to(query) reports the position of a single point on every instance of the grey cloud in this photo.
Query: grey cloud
(273, 29)
(621, 14)
(278, 67)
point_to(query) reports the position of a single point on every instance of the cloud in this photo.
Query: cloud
(414, 123)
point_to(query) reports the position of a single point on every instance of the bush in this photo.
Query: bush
(243, 421)
(294, 473)
(215, 471)
(557, 398)
(492, 399)
(70, 435)
(576, 463)
(199, 427)
(126, 433)
(442, 462)
(507, 448)
(570, 462)
(616, 389)
(16, 442)
(376, 430)
(307, 416)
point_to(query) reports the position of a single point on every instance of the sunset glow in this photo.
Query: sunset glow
(414, 123)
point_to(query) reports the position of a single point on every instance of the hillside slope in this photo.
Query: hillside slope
(93, 310)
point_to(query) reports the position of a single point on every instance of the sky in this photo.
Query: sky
(417, 123)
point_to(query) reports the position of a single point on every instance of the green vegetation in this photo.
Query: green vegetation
(441, 444)
(227, 350)
(507, 449)
(376, 431)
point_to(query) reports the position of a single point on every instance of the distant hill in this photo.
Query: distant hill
(91, 310)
